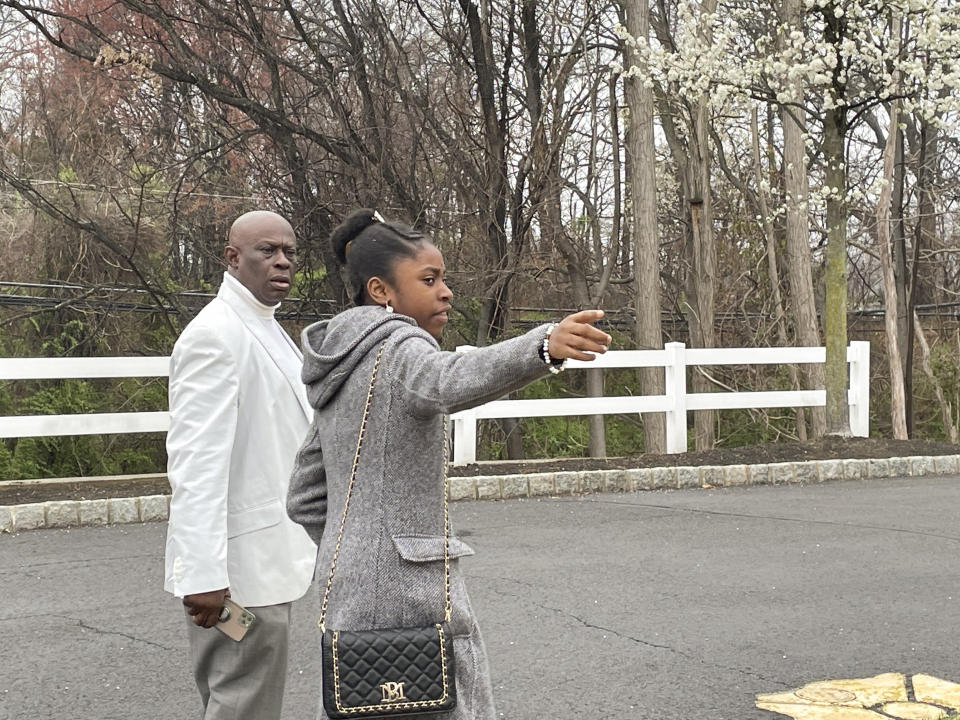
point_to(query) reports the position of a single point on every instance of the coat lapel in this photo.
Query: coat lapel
(257, 329)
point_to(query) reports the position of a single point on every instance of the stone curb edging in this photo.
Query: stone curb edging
(83, 513)
(115, 511)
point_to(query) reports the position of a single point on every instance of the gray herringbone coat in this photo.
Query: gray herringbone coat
(390, 569)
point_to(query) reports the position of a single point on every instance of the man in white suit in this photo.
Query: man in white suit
(238, 414)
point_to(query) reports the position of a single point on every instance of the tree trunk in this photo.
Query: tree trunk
(773, 269)
(493, 196)
(492, 201)
(513, 437)
(543, 156)
(900, 275)
(897, 404)
(835, 176)
(701, 278)
(689, 146)
(704, 267)
(926, 170)
(797, 230)
(598, 430)
(643, 196)
(946, 410)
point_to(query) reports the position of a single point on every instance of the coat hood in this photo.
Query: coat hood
(333, 348)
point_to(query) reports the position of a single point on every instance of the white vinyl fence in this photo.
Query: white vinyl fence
(92, 424)
(675, 403)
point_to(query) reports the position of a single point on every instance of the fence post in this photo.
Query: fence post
(675, 375)
(465, 438)
(858, 355)
(465, 430)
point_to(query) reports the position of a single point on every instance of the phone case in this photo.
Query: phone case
(235, 620)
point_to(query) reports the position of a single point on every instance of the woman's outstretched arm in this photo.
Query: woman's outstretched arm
(447, 382)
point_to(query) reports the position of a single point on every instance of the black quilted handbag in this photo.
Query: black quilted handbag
(388, 672)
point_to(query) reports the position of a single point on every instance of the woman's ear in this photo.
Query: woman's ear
(378, 290)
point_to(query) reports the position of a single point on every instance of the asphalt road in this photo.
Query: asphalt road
(675, 605)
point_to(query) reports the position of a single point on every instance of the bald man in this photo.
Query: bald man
(238, 414)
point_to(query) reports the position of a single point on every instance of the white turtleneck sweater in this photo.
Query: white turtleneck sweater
(282, 349)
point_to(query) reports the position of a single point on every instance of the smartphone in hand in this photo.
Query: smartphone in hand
(234, 620)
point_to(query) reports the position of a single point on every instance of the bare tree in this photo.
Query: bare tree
(686, 126)
(643, 203)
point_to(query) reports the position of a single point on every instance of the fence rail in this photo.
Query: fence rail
(675, 403)
(12, 426)
(675, 358)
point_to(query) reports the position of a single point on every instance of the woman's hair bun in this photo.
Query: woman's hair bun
(347, 231)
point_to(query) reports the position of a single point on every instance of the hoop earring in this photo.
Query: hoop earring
(388, 307)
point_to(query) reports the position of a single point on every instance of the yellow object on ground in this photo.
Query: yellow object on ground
(873, 698)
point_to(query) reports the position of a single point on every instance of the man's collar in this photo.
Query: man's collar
(237, 288)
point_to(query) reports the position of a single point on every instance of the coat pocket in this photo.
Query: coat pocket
(240, 522)
(420, 597)
(429, 548)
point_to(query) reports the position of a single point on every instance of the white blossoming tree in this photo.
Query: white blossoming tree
(836, 69)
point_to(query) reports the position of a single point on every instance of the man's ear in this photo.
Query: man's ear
(377, 290)
(232, 256)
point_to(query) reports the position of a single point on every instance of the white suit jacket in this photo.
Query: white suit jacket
(236, 423)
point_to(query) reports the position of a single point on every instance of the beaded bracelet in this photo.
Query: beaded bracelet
(552, 365)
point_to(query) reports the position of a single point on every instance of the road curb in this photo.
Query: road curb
(150, 508)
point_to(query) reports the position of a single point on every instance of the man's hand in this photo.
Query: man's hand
(575, 337)
(205, 607)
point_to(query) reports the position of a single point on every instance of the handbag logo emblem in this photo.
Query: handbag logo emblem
(392, 692)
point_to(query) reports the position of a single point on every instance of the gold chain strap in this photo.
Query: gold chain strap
(346, 506)
(447, 610)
